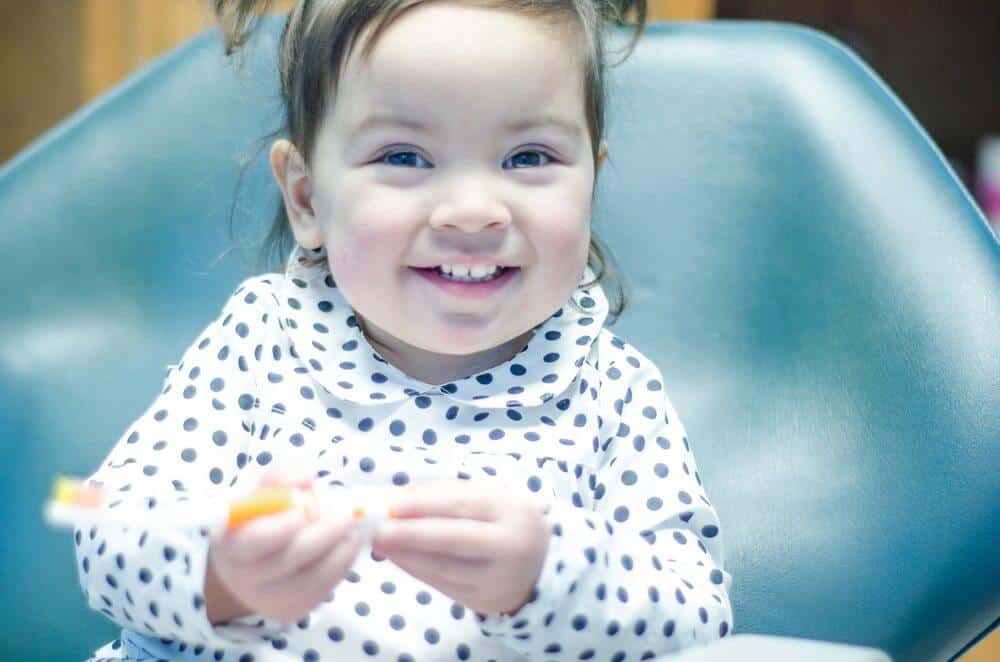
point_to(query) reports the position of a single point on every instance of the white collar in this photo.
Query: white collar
(326, 338)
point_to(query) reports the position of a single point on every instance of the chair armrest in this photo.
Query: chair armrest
(768, 648)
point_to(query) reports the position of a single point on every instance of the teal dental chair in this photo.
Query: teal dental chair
(821, 293)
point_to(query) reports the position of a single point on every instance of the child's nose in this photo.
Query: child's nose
(471, 213)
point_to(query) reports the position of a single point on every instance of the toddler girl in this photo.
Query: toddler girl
(438, 325)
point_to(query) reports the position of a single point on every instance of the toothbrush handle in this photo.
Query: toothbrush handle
(269, 500)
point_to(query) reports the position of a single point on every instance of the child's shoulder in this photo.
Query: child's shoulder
(630, 379)
(269, 284)
(251, 309)
(260, 292)
(618, 359)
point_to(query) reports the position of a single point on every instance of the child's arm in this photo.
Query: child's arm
(190, 444)
(274, 514)
(639, 568)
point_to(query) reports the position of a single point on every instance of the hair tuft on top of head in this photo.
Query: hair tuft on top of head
(237, 20)
(618, 10)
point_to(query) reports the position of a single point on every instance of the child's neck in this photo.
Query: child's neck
(433, 368)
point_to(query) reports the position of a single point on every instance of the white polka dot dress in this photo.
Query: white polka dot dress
(578, 418)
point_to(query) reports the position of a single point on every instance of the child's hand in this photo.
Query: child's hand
(280, 566)
(477, 544)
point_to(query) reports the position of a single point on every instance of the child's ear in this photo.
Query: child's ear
(292, 176)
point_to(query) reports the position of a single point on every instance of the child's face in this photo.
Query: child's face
(465, 186)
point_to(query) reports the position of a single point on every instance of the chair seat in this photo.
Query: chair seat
(763, 648)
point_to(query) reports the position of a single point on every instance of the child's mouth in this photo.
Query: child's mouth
(468, 279)
(468, 287)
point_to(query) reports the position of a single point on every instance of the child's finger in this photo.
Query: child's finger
(471, 539)
(442, 499)
(316, 580)
(307, 547)
(262, 537)
(437, 568)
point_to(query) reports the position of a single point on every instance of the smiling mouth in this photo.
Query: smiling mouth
(437, 271)
(468, 288)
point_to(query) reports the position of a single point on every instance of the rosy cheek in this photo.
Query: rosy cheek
(570, 239)
(371, 245)
(567, 251)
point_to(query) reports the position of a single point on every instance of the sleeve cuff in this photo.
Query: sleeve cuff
(187, 611)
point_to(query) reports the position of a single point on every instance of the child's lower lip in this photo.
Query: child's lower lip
(468, 290)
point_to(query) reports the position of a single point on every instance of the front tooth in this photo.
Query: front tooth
(459, 270)
(482, 270)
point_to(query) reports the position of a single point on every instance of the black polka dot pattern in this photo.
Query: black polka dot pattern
(578, 419)
(352, 370)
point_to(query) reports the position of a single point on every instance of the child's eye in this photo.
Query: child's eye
(408, 161)
(387, 155)
(544, 155)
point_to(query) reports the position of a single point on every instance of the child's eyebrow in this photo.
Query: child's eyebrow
(569, 128)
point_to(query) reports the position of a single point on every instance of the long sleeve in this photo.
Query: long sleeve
(636, 567)
(189, 445)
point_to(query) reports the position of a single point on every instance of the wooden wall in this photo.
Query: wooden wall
(39, 60)
(56, 55)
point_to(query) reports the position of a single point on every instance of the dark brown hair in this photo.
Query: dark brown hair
(319, 36)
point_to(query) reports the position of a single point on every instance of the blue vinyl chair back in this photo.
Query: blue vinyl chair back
(816, 285)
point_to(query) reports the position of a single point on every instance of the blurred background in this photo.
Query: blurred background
(940, 58)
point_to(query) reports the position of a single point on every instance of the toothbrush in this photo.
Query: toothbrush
(75, 503)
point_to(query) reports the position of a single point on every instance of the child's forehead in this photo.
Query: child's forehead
(443, 45)
(419, 86)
